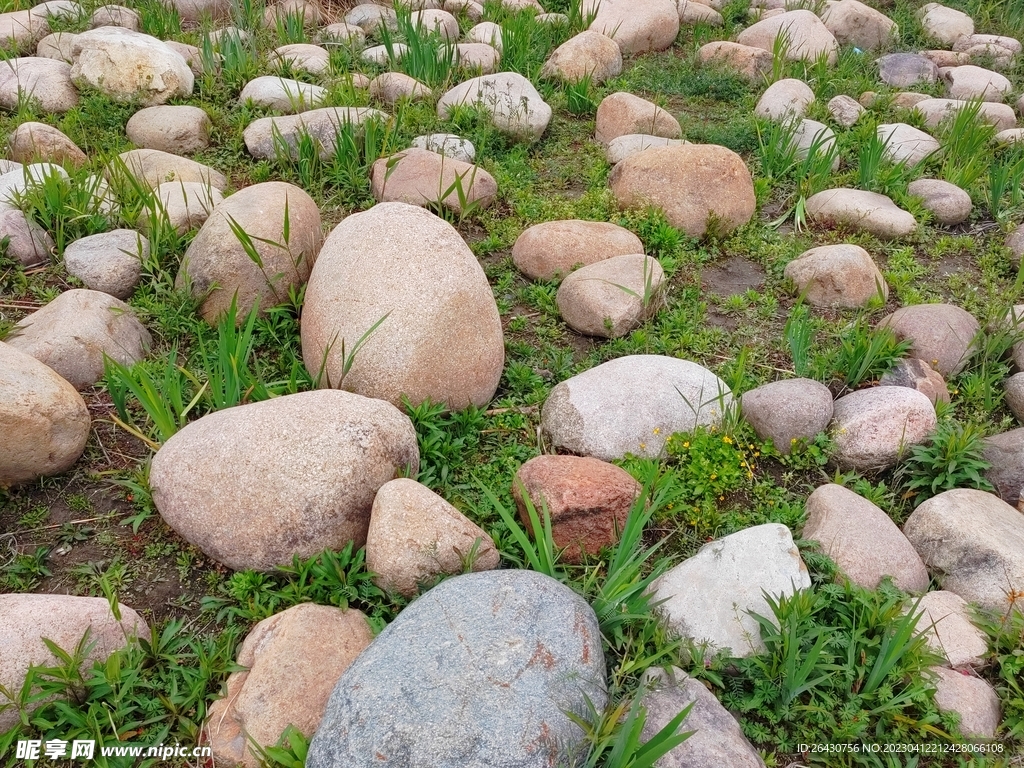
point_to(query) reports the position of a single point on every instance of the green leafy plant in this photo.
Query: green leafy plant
(966, 139)
(1006, 654)
(866, 353)
(952, 458)
(68, 207)
(444, 437)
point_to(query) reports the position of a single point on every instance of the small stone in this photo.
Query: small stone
(424, 178)
(612, 297)
(551, 250)
(115, 16)
(110, 262)
(942, 334)
(57, 46)
(623, 113)
(975, 700)
(478, 57)
(28, 243)
(304, 57)
(322, 125)
(861, 211)
(845, 110)
(788, 411)
(1005, 453)
(906, 144)
(587, 55)
(945, 58)
(837, 276)
(967, 42)
(381, 56)
(441, 23)
(902, 70)
(693, 12)
(415, 536)
(392, 87)
(944, 24)
(945, 622)
(347, 34)
(180, 130)
(909, 99)
(785, 99)
(812, 136)
(282, 94)
(917, 374)
(874, 428)
(747, 61)
(32, 142)
(1014, 389)
(1009, 136)
(447, 144)
(369, 16)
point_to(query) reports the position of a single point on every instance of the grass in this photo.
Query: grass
(840, 663)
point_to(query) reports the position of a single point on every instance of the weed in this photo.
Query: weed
(445, 438)
(26, 570)
(966, 139)
(864, 354)
(952, 458)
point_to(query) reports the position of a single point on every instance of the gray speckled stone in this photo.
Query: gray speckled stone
(477, 673)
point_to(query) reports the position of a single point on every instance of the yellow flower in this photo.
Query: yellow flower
(727, 439)
(657, 430)
(643, 446)
(686, 444)
(714, 475)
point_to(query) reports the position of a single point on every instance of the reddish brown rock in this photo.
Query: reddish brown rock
(917, 374)
(588, 500)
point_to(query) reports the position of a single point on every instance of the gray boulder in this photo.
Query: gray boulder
(902, 70)
(515, 106)
(1005, 452)
(874, 427)
(941, 334)
(109, 261)
(788, 411)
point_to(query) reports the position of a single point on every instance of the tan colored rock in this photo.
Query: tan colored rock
(179, 130)
(550, 250)
(588, 54)
(873, 428)
(514, 105)
(971, 82)
(21, 30)
(906, 144)
(837, 276)
(747, 61)
(322, 125)
(808, 37)
(945, 58)
(43, 419)
(973, 699)
(305, 57)
(612, 297)
(108, 261)
(437, 21)
(861, 211)
(944, 24)
(281, 10)
(478, 57)
(947, 203)
(185, 204)
(425, 178)
(909, 99)
(488, 33)
(415, 536)
(392, 87)
(56, 46)
(116, 16)
(74, 332)
(694, 12)
(153, 167)
(292, 661)
(28, 243)
(862, 540)
(785, 99)
(31, 142)
(623, 113)
(440, 338)
(935, 111)
(637, 26)
(946, 624)
(47, 81)
(25, 620)
(621, 147)
(588, 501)
(217, 266)
(854, 23)
(692, 184)
(942, 334)
(283, 94)
(845, 110)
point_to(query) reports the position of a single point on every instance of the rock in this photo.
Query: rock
(967, 42)
(471, 10)
(47, 81)
(788, 411)
(441, 337)
(623, 113)
(190, 53)
(612, 297)
(281, 11)
(416, 536)
(153, 167)
(191, 11)
(808, 37)
(906, 144)
(917, 374)
(945, 621)
(549, 251)
(1014, 389)
(935, 111)
(861, 211)
(666, 394)
(621, 147)
(513, 103)
(179, 130)
(588, 501)
(184, 205)
(908, 99)
(554, 19)
(31, 142)
(862, 540)
(944, 24)
(942, 334)
(424, 178)
(74, 332)
(392, 87)
(945, 58)
(21, 30)
(304, 57)
(1015, 319)
(284, 95)
(812, 136)
(587, 55)
(875, 427)
(637, 26)
(691, 184)
(381, 56)
(477, 57)
(489, 33)
(229, 35)
(1015, 244)
(1005, 452)
(971, 82)
(128, 66)
(57, 46)
(25, 620)
(115, 16)
(44, 421)
(248, 486)
(1009, 136)
(510, 650)
(322, 125)
(22, 178)
(747, 61)
(974, 542)
(785, 99)
(369, 16)
(947, 203)
(218, 267)
(709, 597)
(902, 70)
(447, 144)
(292, 660)
(438, 22)
(837, 276)
(973, 699)
(717, 739)
(110, 262)
(29, 244)
(859, 25)
(845, 110)
(695, 12)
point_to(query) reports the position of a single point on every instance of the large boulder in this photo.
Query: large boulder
(862, 540)
(421, 177)
(108, 261)
(255, 485)
(27, 620)
(631, 405)
(416, 536)
(942, 335)
(406, 278)
(788, 411)
(861, 211)
(514, 105)
(291, 662)
(587, 55)
(20, 30)
(45, 81)
(974, 542)
(874, 428)
(709, 597)
(510, 651)
(692, 184)
(128, 65)
(75, 332)
(276, 219)
(806, 37)
(859, 25)
(637, 26)
(32, 141)
(553, 249)
(944, 24)
(44, 420)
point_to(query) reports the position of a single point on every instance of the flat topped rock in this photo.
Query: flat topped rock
(153, 167)
(322, 125)
(808, 37)
(902, 70)
(551, 250)
(861, 211)
(935, 111)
